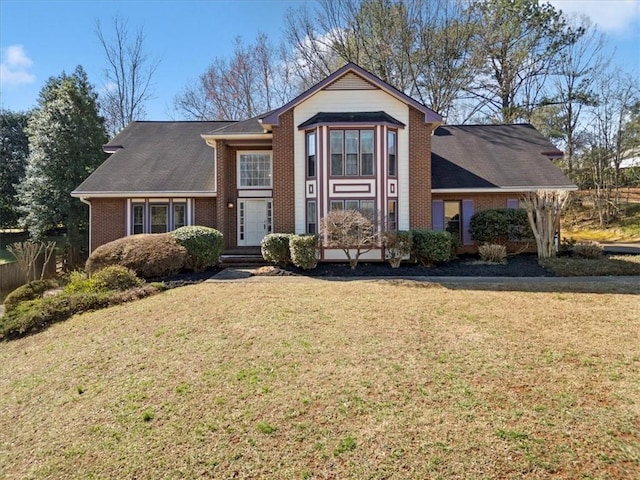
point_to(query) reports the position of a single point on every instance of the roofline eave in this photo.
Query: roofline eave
(506, 189)
(148, 194)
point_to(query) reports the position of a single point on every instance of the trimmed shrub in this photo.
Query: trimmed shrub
(114, 277)
(493, 253)
(275, 248)
(30, 291)
(499, 225)
(33, 315)
(431, 247)
(397, 244)
(80, 282)
(587, 250)
(117, 278)
(304, 251)
(149, 255)
(204, 245)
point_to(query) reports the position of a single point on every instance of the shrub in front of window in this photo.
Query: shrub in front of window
(304, 251)
(275, 248)
(151, 255)
(352, 231)
(587, 250)
(29, 291)
(431, 247)
(499, 225)
(398, 245)
(204, 245)
(493, 253)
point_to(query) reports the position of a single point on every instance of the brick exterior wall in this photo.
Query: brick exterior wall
(205, 212)
(225, 171)
(108, 220)
(283, 175)
(486, 201)
(419, 170)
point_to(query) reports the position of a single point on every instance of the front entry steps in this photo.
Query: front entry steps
(249, 257)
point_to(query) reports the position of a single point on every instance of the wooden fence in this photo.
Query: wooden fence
(11, 276)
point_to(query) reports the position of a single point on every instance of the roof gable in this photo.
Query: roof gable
(352, 77)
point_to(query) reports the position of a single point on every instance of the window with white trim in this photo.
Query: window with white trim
(392, 215)
(159, 214)
(311, 154)
(312, 217)
(392, 149)
(137, 218)
(351, 152)
(179, 215)
(254, 170)
(157, 217)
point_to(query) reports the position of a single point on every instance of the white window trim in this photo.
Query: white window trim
(250, 152)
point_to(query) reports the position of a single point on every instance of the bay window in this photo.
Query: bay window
(351, 152)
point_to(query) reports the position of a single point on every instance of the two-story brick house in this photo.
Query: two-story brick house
(351, 141)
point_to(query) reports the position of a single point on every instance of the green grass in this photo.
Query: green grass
(302, 378)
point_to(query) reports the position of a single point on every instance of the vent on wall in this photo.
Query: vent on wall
(351, 81)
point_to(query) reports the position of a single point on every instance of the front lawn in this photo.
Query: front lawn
(312, 379)
(605, 266)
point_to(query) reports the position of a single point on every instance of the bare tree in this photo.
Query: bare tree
(618, 95)
(578, 68)
(254, 80)
(421, 47)
(352, 231)
(129, 74)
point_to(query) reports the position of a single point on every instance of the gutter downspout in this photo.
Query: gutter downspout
(87, 202)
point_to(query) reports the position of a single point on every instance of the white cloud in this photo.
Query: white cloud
(15, 65)
(615, 16)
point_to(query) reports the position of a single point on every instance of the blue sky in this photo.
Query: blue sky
(42, 38)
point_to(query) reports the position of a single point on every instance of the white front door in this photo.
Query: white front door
(254, 221)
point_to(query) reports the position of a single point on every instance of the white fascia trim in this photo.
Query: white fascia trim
(502, 189)
(240, 136)
(138, 193)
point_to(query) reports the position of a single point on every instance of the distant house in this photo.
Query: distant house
(351, 141)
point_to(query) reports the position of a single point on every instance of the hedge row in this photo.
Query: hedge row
(427, 247)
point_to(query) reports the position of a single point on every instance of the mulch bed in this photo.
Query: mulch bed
(523, 265)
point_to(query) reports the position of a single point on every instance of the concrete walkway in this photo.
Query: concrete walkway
(618, 247)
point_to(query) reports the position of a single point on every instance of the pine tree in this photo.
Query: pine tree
(66, 135)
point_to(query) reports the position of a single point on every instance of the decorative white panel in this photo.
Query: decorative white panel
(392, 188)
(352, 188)
(255, 193)
(311, 190)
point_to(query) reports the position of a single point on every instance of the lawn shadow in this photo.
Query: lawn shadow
(599, 285)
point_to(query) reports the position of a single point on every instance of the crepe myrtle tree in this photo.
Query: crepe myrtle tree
(355, 232)
(543, 211)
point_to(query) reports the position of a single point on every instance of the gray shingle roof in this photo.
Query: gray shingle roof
(321, 118)
(156, 157)
(491, 156)
(249, 126)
